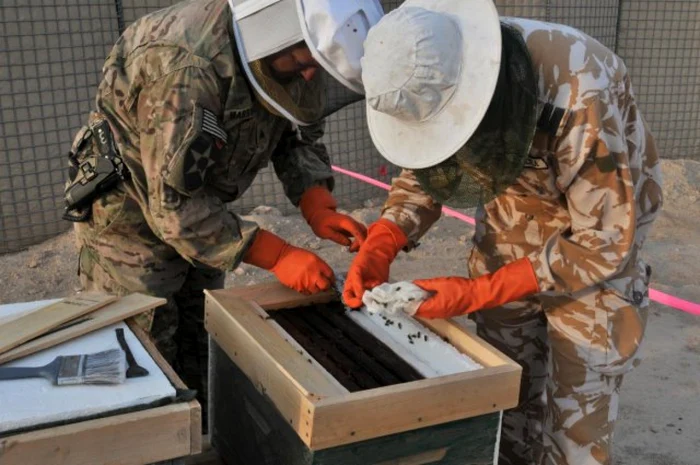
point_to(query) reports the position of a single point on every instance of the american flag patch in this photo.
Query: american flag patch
(210, 125)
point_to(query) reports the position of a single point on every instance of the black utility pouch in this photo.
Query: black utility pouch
(95, 168)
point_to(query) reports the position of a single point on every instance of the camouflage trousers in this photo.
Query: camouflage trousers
(177, 327)
(574, 351)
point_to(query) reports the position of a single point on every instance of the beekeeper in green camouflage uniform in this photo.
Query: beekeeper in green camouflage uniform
(537, 124)
(199, 97)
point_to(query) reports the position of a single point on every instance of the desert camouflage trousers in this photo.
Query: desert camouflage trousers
(574, 350)
(177, 327)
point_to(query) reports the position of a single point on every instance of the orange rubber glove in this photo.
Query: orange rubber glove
(457, 296)
(370, 267)
(318, 208)
(297, 268)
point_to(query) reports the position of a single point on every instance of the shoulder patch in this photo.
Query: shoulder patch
(187, 170)
(210, 125)
(197, 162)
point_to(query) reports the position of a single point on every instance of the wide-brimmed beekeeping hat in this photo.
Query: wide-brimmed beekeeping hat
(334, 31)
(432, 99)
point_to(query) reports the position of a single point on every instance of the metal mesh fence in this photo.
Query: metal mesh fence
(50, 57)
(51, 54)
(660, 42)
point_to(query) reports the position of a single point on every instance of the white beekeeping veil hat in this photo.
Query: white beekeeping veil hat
(334, 31)
(452, 97)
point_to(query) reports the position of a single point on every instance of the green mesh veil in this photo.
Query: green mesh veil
(494, 156)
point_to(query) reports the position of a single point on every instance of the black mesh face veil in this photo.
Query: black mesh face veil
(333, 32)
(307, 101)
(494, 156)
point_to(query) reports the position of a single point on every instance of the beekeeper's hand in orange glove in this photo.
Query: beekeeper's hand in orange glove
(318, 209)
(297, 268)
(457, 296)
(370, 267)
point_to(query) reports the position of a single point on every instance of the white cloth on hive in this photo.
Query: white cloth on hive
(391, 298)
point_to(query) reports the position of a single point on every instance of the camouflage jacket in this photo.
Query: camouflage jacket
(591, 188)
(193, 136)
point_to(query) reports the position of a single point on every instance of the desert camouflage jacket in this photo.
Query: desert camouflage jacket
(193, 136)
(591, 188)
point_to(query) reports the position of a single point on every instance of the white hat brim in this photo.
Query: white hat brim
(417, 145)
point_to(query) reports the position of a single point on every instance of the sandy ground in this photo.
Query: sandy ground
(660, 405)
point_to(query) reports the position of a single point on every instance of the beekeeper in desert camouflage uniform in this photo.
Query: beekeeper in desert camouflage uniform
(538, 124)
(199, 97)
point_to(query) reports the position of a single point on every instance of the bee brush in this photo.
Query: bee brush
(107, 367)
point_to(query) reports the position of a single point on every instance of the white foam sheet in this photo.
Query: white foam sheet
(33, 402)
(432, 358)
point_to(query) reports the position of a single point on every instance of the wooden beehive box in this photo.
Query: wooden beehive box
(260, 372)
(144, 435)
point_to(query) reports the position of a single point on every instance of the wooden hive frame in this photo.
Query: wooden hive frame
(134, 438)
(324, 413)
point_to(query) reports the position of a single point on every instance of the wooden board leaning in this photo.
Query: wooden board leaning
(22, 329)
